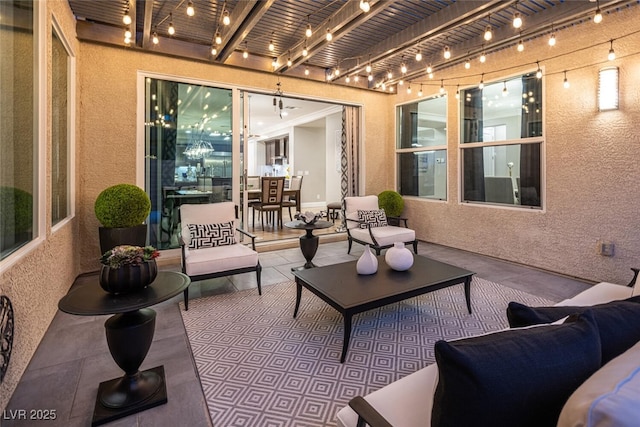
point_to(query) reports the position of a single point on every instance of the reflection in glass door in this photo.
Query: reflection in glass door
(188, 152)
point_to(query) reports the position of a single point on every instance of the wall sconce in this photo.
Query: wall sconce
(608, 89)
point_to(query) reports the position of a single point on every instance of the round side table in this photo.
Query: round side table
(129, 335)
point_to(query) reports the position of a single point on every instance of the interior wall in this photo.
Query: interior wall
(590, 161)
(309, 158)
(36, 281)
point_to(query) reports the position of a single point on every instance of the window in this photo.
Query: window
(18, 141)
(421, 148)
(501, 131)
(60, 138)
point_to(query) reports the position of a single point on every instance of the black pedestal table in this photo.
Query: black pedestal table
(308, 242)
(129, 335)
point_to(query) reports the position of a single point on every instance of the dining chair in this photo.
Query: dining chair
(293, 200)
(270, 200)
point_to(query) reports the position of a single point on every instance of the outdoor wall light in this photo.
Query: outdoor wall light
(608, 89)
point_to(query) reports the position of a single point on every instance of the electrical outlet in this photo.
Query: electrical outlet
(606, 248)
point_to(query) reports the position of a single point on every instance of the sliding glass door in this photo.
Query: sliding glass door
(188, 152)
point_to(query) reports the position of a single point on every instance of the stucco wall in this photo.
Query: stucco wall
(107, 115)
(590, 160)
(40, 277)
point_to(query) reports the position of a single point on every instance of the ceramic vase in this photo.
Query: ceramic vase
(399, 257)
(128, 278)
(367, 263)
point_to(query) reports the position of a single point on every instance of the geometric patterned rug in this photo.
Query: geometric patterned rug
(261, 367)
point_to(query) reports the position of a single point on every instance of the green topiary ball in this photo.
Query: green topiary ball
(392, 202)
(122, 205)
(16, 211)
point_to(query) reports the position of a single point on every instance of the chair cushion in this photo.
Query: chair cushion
(609, 398)
(516, 377)
(219, 258)
(385, 236)
(373, 217)
(617, 321)
(211, 235)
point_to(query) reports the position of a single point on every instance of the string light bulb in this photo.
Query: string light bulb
(306, 71)
(368, 68)
(483, 57)
(403, 68)
(538, 71)
(389, 75)
(126, 18)
(218, 38)
(488, 33)
(214, 51)
(171, 29)
(429, 69)
(517, 20)
(520, 46)
(420, 91)
(441, 86)
(272, 47)
(289, 61)
(409, 89)
(447, 52)
(419, 56)
(305, 52)
(329, 36)
(467, 64)
(155, 38)
(245, 54)
(127, 33)
(370, 77)
(190, 10)
(597, 18)
(505, 91)
(566, 82)
(356, 78)
(481, 85)
(612, 55)
(226, 19)
(552, 39)
(458, 92)
(308, 32)
(348, 79)
(365, 6)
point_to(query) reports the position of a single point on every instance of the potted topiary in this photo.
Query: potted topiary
(121, 210)
(393, 205)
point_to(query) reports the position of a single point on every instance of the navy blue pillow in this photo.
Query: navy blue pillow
(517, 377)
(618, 322)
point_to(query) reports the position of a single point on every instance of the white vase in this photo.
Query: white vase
(399, 257)
(367, 263)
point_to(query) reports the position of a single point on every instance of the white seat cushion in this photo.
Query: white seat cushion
(599, 294)
(384, 235)
(220, 258)
(406, 402)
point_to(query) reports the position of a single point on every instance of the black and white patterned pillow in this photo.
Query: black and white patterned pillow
(375, 217)
(211, 235)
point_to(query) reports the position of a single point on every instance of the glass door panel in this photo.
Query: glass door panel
(188, 152)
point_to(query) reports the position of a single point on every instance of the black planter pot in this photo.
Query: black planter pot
(112, 237)
(128, 278)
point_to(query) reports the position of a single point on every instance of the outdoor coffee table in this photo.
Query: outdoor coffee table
(340, 286)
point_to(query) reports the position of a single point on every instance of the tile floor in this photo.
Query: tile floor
(73, 357)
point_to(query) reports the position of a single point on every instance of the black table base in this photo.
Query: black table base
(129, 336)
(151, 378)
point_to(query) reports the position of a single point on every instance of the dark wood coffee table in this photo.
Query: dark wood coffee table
(340, 286)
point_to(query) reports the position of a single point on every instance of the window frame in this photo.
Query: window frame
(432, 148)
(70, 140)
(503, 143)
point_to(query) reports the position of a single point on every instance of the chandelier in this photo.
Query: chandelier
(198, 149)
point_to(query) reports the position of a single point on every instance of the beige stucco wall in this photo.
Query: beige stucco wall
(40, 277)
(107, 117)
(590, 159)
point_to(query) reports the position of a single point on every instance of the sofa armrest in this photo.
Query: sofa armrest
(367, 415)
(635, 276)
